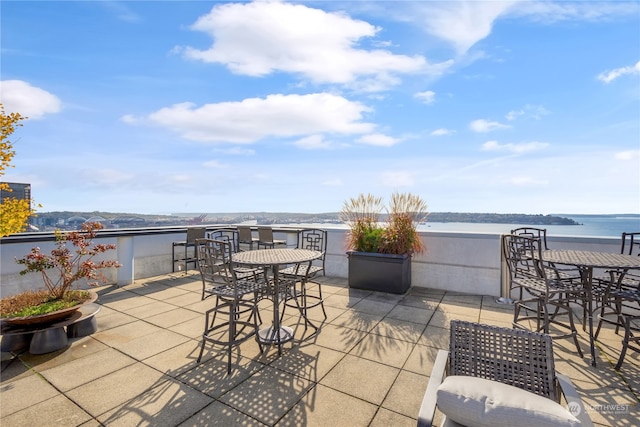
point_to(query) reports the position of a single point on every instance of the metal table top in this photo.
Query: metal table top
(591, 259)
(265, 257)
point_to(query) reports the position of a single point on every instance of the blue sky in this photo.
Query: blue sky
(197, 106)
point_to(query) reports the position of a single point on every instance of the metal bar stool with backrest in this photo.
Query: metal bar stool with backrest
(499, 376)
(232, 236)
(566, 273)
(229, 235)
(623, 309)
(621, 304)
(541, 233)
(302, 296)
(237, 299)
(193, 233)
(533, 232)
(266, 240)
(245, 236)
(630, 243)
(617, 280)
(526, 266)
(542, 287)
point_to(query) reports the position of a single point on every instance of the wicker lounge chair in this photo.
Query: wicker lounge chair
(498, 358)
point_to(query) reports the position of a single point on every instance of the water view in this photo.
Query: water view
(589, 225)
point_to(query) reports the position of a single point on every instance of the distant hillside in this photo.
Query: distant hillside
(334, 217)
(49, 220)
(500, 218)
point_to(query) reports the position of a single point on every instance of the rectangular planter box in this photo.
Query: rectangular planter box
(379, 272)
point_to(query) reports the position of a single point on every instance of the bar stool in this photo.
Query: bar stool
(236, 299)
(190, 242)
(302, 296)
(245, 236)
(266, 240)
(542, 287)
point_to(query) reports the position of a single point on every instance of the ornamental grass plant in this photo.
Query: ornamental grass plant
(388, 229)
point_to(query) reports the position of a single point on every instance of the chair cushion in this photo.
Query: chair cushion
(478, 402)
(448, 422)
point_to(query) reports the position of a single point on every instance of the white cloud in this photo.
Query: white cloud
(215, 164)
(427, 97)
(313, 142)
(528, 181)
(252, 119)
(336, 182)
(461, 23)
(443, 132)
(514, 148)
(378, 140)
(106, 176)
(533, 111)
(121, 11)
(397, 179)
(263, 37)
(628, 155)
(514, 114)
(609, 76)
(465, 23)
(180, 179)
(551, 12)
(20, 97)
(483, 126)
(238, 151)
(129, 119)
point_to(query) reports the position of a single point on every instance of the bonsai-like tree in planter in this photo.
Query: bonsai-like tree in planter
(61, 270)
(396, 237)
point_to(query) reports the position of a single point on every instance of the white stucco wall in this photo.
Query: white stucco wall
(456, 261)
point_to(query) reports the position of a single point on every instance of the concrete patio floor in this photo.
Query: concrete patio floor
(367, 366)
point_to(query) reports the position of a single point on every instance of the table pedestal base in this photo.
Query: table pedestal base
(272, 336)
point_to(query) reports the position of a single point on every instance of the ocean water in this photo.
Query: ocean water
(590, 225)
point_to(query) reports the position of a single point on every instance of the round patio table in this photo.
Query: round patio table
(586, 261)
(274, 258)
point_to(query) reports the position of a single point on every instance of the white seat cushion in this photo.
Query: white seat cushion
(477, 402)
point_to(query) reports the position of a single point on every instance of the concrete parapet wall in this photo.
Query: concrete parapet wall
(454, 261)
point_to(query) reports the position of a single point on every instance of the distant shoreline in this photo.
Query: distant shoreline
(266, 218)
(565, 224)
